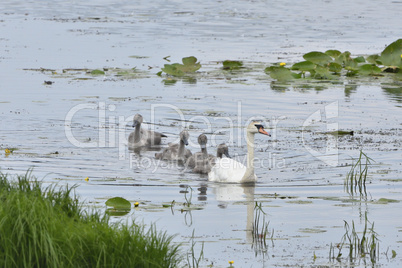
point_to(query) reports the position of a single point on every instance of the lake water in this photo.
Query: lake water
(77, 127)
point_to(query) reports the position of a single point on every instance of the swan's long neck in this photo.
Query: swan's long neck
(249, 176)
(137, 133)
(204, 150)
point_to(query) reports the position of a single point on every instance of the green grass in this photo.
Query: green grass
(360, 247)
(356, 178)
(48, 227)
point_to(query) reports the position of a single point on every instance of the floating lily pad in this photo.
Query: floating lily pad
(340, 132)
(118, 203)
(97, 72)
(232, 64)
(334, 67)
(190, 65)
(317, 57)
(386, 201)
(369, 69)
(304, 66)
(374, 59)
(333, 53)
(281, 73)
(391, 56)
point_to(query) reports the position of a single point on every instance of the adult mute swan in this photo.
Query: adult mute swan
(231, 171)
(143, 137)
(176, 151)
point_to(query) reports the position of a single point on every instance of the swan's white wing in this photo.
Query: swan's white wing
(227, 170)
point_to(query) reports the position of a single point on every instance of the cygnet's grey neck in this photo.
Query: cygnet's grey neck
(137, 133)
(182, 148)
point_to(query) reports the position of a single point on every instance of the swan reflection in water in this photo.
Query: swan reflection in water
(226, 194)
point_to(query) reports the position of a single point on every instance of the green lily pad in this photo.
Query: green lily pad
(391, 56)
(97, 72)
(304, 66)
(172, 69)
(317, 57)
(340, 132)
(343, 58)
(386, 201)
(359, 59)
(369, 69)
(374, 59)
(333, 53)
(118, 203)
(335, 67)
(322, 73)
(232, 64)
(281, 73)
(190, 65)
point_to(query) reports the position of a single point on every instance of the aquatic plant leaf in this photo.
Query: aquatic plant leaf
(335, 67)
(304, 66)
(317, 57)
(369, 69)
(172, 70)
(190, 65)
(333, 53)
(340, 132)
(359, 59)
(232, 64)
(343, 58)
(386, 201)
(374, 59)
(322, 73)
(391, 56)
(97, 72)
(118, 203)
(189, 60)
(281, 73)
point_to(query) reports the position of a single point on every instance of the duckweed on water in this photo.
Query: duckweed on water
(47, 227)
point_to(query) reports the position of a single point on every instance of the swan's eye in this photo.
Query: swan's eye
(258, 126)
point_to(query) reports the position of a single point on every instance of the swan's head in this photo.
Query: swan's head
(202, 140)
(184, 136)
(223, 149)
(137, 120)
(257, 127)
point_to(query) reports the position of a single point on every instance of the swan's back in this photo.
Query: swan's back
(142, 137)
(227, 170)
(169, 153)
(173, 152)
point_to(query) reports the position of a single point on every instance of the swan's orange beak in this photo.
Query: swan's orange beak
(262, 131)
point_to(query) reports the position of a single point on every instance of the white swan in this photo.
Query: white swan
(176, 151)
(231, 171)
(143, 137)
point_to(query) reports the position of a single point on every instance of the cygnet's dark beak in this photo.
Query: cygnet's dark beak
(135, 123)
